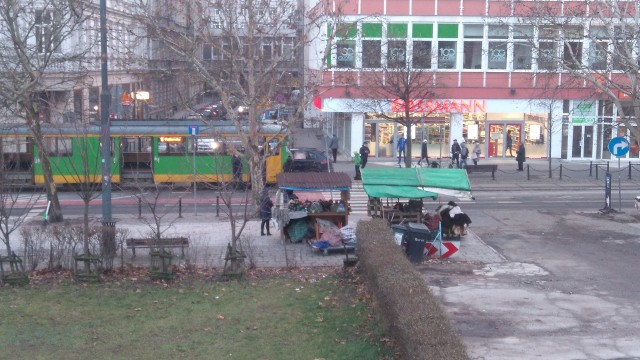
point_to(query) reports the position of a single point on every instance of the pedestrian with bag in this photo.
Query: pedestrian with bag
(521, 156)
(476, 153)
(424, 153)
(455, 152)
(464, 154)
(364, 154)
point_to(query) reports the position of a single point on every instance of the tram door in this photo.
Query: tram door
(136, 153)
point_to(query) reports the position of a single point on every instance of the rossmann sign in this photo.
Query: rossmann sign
(440, 106)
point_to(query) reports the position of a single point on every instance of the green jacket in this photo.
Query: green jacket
(356, 159)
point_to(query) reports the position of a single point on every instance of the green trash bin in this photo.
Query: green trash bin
(417, 237)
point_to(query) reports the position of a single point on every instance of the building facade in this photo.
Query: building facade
(494, 80)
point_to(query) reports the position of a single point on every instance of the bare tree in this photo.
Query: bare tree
(36, 59)
(588, 48)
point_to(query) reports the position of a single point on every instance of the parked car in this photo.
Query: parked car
(306, 160)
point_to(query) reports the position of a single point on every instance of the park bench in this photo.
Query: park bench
(483, 168)
(179, 242)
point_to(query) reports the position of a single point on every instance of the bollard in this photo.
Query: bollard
(217, 206)
(607, 166)
(590, 168)
(528, 177)
(560, 171)
(629, 170)
(180, 207)
(596, 171)
(139, 208)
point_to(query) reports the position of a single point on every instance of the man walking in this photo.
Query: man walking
(402, 143)
(364, 154)
(464, 154)
(333, 145)
(455, 152)
(424, 153)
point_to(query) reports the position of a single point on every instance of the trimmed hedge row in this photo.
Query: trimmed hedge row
(411, 313)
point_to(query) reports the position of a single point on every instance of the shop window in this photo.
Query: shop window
(345, 54)
(371, 52)
(397, 53)
(472, 55)
(421, 55)
(446, 55)
(522, 56)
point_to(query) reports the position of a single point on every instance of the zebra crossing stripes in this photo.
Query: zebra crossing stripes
(359, 198)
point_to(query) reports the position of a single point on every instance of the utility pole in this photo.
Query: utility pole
(105, 136)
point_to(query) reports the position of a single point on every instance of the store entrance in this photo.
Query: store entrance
(504, 139)
(582, 142)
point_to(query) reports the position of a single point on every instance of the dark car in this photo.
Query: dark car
(306, 160)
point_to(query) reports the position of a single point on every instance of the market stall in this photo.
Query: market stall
(301, 217)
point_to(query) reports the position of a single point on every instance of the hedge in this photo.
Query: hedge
(412, 314)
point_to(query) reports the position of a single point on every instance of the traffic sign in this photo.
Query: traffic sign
(194, 129)
(618, 146)
(444, 249)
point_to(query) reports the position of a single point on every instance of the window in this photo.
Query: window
(497, 57)
(287, 49)
(371, 51)
(421, 54)
(397, 53)
(547, 56)
(521, 56)
(446, 54)
(572, 56)
(171, 145)
(472, 55)
(208, 52)
(46, 39)
(58, 146)
(205, 146)
(345, 54)
(267, 48)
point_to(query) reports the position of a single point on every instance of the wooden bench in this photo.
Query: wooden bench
(483, 168)
(179, 242)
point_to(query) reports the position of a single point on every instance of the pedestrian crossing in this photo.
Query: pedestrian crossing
(358, 200)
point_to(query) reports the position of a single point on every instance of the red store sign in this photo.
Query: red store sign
(440, 106)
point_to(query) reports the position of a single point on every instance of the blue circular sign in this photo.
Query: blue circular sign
(619, 146)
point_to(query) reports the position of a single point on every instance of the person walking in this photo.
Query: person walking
(476, 153)
(464, 154)
(401, 146)
(455, 152)
(521, 156)
(236, 164)
(424, 153)
(265, 211)
(509, 144)
(364, 154)
(333, 145)
(357, 160)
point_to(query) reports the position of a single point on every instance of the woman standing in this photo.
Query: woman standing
(476, 153)
(265, 211)
(520, 156)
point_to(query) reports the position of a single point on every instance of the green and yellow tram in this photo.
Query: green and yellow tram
(159, 151)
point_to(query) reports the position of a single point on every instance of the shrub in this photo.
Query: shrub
(410, 311)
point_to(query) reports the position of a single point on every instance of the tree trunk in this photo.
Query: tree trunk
(85, 234)
(407, 149)
(55, 211)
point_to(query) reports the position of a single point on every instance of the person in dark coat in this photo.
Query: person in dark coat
(265, 211)
(424, 153)
(521, 156)
(333, 145)
(509, 144)
(364, 154)
(236, 164)
(455, 152)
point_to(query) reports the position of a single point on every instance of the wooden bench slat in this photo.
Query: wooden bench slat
(133, 243)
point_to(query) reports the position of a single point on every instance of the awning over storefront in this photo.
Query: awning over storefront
(415, 183)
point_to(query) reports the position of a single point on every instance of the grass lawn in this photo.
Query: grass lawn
(286, 316)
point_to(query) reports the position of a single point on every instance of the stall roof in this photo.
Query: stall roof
(416, 182)
(313, 181)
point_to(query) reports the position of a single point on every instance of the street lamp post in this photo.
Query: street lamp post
(105, 105)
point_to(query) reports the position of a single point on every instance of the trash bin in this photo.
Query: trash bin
(399, 231)
(417, 237)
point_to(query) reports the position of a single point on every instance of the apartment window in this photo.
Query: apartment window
(267, 49)
(208, 52)
(345, 54)
(397, 54)
(421, 58)
(371, 52)
(58, 146)
(287, 49)
(46, 39)
(446, 54)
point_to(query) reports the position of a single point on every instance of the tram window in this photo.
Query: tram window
(274, 148)
(171, 145)
(58, 146)
(14, 145)
(205, 146)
